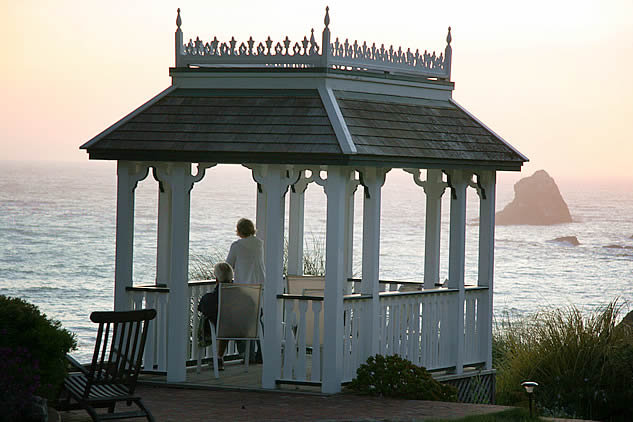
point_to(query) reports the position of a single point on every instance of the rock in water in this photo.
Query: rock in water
(572, 240)
(537, 201)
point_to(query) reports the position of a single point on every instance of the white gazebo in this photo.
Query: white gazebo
(340, 115)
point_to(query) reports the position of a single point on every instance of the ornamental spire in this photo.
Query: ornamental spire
(449, 38)
(326, 21)
(178, 20)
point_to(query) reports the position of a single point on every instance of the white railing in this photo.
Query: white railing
(302, 331)
(417, 326)
(197, 289)
(147, 297)
(414, 325)
(476, 325)
(155, 355)
(308, 53)
(354, 307)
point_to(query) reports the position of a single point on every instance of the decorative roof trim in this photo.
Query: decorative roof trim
(307, 53)
(338, 122)
(127, 118)
(456, 104)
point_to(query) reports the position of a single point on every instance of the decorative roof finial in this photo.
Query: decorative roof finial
(448, 37)
(178, 20)
(327, 16)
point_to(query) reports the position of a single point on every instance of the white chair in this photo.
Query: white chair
(239, 308)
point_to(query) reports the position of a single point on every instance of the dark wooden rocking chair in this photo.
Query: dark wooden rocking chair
(116, 363)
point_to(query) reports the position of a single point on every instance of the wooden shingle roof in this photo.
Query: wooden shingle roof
(439, 131)
(293, 126)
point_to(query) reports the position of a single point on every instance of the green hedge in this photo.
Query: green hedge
(393, 376)
(37, 345)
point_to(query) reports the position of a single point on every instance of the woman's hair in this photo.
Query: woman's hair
(245, 227)
(223, 272)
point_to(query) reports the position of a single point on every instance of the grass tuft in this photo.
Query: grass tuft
(583, 364)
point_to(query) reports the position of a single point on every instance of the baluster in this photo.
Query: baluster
(470, 340)
(150, 344)
(300, 373)
(316, 342)
(290, 351)
(435, 331)
(161, 331)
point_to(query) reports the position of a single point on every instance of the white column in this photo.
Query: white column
(373, 180)
(335, 189)
(178, 177)
(486, 259)
(456, 261)
(163, 239)
(128, 175)
(433, 188)
(295, 226)
(272, 182)
(352, 184)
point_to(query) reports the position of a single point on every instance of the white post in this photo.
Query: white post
(456, 261)
(486, 259)
(295, 226)
(128, 175)
(335, 188)
(433, 188)
(163, 240)
(271, 180)
(178, 176)
(373, 180)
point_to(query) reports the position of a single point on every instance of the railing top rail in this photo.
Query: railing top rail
(308, 53)
(148, 288)
(419, 292)
(355, 296)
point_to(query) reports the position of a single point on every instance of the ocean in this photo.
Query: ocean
(57, 237)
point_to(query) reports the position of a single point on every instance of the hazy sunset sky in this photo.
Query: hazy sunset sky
(554, 78)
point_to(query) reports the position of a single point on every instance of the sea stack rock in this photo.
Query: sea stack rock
(572, 240)
(537, 201)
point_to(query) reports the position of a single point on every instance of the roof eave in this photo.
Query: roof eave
(302, 159)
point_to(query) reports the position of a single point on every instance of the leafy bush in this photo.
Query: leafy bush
(583, 364)
(18, 381)
(35, 346)
(393, 376)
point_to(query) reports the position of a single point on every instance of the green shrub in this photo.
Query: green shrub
(393, 376)
(583, 364)
(18, 382)
(37, 346)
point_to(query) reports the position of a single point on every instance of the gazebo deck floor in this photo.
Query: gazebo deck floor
(234, 377)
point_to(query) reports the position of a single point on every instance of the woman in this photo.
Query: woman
(246, 255)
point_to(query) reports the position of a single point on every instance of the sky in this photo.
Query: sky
(553, 78)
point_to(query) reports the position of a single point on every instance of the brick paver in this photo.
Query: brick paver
(187, 405)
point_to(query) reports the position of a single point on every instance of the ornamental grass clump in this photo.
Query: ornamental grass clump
(33, 351)
(583, 364)
(393, 376)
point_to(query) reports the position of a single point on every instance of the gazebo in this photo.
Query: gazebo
(340, 115)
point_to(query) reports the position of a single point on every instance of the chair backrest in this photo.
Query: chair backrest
(119, 347)
(238, 311)
(298, 284)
